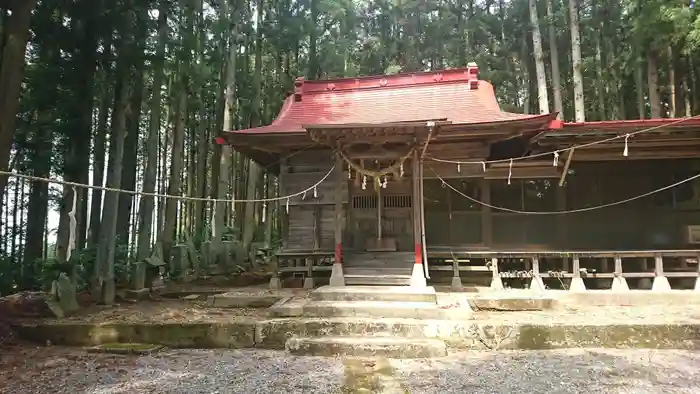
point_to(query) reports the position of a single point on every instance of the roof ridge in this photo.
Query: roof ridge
(392, 87)
(469, 74)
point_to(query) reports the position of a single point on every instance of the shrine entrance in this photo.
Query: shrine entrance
(380, 217)
(382, 236)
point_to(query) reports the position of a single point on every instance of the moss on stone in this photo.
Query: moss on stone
(239, 334)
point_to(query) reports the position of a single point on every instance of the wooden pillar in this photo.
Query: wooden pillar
(317, 225)
(338, 231)
(536, 284)
(496, 282)
(619, 282)
(486, 220)
(456, 278)
(309, 278)
(284, 170)
(562, 236)
(577, 284)
(418, 274)
(337, 277)
(697, 279)
(415, 174)
(660, 280)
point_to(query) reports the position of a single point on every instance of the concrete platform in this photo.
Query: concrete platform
(630, 298)
(378, 309)
(274, 333)
(367, 347)
(375, 293)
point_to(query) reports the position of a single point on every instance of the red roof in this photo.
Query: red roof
(456, 96)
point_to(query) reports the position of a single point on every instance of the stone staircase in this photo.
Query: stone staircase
(389, 321)
(366, 321)
(378, 268)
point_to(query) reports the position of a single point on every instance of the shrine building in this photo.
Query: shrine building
(430, 179)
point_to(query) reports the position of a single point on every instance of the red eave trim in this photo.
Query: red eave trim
(549, 119)
(632, 123)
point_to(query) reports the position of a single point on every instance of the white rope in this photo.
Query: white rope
(558, 151)
(158, 195)
(445, 184)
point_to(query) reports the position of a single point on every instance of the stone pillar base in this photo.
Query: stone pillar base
(457, 283)
(308, 282)
(496, 283)
(660, 284)
(337, 277)
(619, 284)
(275, 283)
(418, 277)
(537, 284)
(577, 285)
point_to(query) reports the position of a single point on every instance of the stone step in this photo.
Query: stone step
(458, 333)
(375, 293)
(509, 302)
(364, 346)
(379, 256)
(377, 280)
(400, 272)
(379, 309)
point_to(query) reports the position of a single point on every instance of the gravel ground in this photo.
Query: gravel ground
(60, 370)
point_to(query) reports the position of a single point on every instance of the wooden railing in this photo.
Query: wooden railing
(566, 264)
(302, 263)
(533, 266)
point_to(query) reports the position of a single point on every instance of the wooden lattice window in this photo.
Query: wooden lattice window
(397, 201)
(364, 202)
(391, 201)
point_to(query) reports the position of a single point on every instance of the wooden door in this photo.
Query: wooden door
(397, 215)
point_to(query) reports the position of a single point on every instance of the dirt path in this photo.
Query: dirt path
(58, 370)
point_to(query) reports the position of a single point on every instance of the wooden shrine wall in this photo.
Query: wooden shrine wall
(658, 221)
(310, 223)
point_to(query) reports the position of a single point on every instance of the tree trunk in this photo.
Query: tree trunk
(542, 95)
(554, 57)
(11, 74)
(131, 143)
(104, 261)
(175, 179)
(653, 82)
(672, 91)
(38, 200)
(146, 204)
(600, 77)
(685, 82)
(639, 82)
(249, 221)
(579, 108)
(314, 70)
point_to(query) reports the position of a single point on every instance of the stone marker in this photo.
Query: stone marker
(63, 291)
(138, 275)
